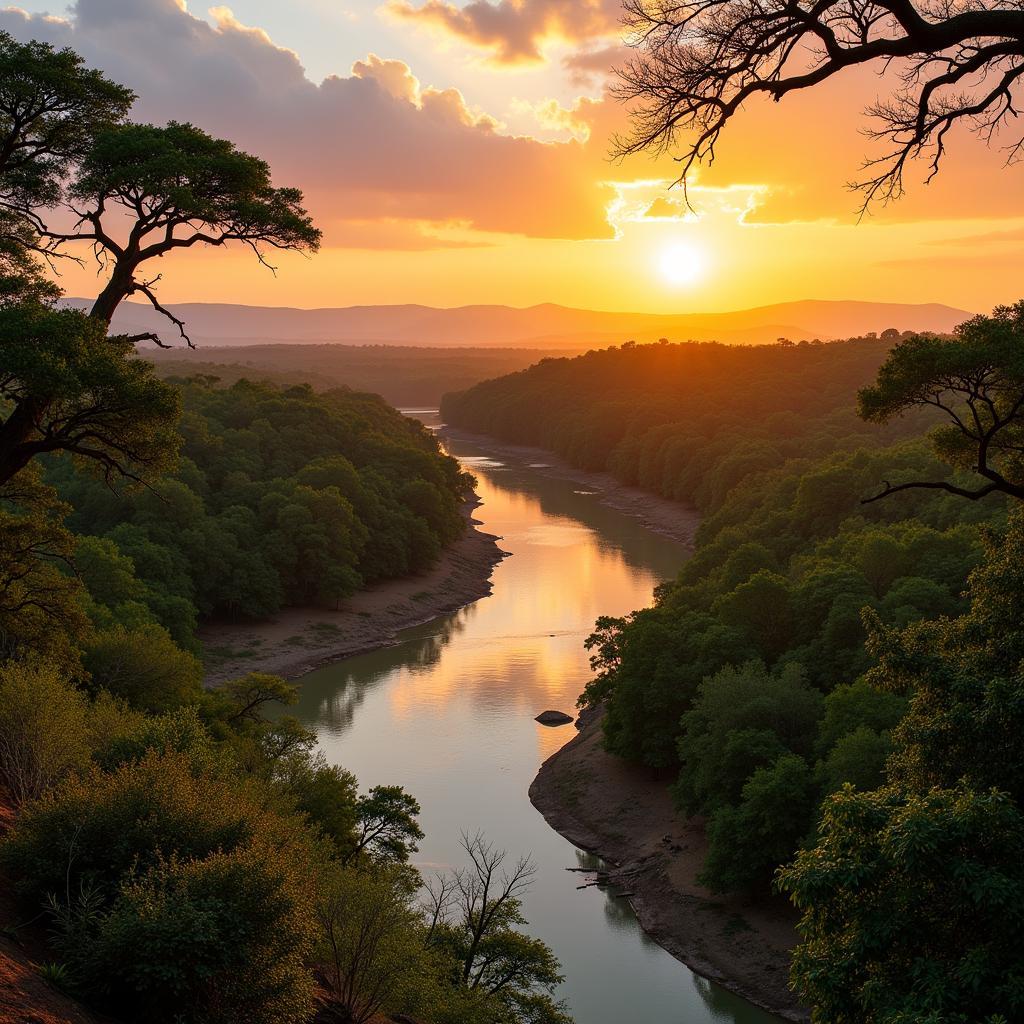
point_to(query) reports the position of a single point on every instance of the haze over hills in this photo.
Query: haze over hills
(544, 326)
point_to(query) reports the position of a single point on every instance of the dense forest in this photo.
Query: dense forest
(188, 855)
(279, 497)
(835, 672)
(406, 376)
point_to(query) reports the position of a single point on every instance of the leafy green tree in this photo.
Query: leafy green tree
(911, 908)
(41, 613)
(858, 758)
(475, 914)
(66, 387)
(372, 944)
(177, 894)
(178, 187)
(742, 719)
(51, 108)
(912, 896)
(856, 705)
(223, 938)
(386, 825)
(43, 725)
(144, 667)
(976, 381)
(748, 840)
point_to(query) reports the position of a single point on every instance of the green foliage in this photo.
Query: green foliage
(67, 387)
(281, 498)
(387, 829)
(144, 667)
(748, 840)
(223, 938)
(373, 945)
(912, 908)
(501, 973)
(51, 108)
(688, 421)
(40, 603)
(743, 719)
(189, 177)
(912, 896)
(43, 724)
(174, 859)
(976, 380)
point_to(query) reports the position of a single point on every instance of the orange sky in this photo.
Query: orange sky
(457, 153)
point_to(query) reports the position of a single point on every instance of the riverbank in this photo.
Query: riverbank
(299, 640)
(660, 515)
(624, 814)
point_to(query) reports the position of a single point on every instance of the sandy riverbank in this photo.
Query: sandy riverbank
(298, 640)
(624, 814)
(660, 515)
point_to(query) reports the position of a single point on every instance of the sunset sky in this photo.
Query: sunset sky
(458, 154)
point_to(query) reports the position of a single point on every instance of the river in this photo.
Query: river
(448, 714)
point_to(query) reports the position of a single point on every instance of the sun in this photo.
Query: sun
(681, 263)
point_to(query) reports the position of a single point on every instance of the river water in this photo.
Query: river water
(448, 714)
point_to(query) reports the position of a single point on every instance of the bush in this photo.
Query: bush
(223, 939)
(42, 729)
(180, 897)
(145, 667)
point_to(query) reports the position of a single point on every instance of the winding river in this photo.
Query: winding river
(448, 713)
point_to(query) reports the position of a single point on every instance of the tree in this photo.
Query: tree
(178, 187)
(912, 898)
(372, 943)
(42, 730)
(51, 108)
(911, 908)
(66, 387)
(698, 63)
(976, 380)
(386, 826)
(145, 667)
(475, 914)
(178, 896)
(40, 608)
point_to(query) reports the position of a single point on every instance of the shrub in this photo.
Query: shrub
(42, 729)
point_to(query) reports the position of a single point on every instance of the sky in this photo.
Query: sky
(457, 153)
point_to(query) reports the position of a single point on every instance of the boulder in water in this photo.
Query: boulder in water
(553, 718)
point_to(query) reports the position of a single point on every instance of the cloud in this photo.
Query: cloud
(515, 31)
(587, 67)
(1011, 236)
(375, 144)
(664, 209)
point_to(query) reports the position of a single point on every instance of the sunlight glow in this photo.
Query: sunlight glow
(681, 263)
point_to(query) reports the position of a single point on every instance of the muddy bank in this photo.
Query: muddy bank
(298, 640)
(624, 814)
(660, 515)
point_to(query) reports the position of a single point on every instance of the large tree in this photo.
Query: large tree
(143, 191)
(975, 380)
(134, 192)
(699, 62)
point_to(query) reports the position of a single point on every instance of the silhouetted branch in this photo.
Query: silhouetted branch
(699, 62)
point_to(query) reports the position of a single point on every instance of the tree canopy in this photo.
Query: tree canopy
(179, 187)
(976, 381)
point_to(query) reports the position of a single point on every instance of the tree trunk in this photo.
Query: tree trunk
(118, 288)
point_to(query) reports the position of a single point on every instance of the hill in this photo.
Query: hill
(545, 326)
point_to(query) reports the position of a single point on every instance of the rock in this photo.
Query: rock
(553, 718)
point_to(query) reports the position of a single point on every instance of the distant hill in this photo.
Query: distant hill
(546, 326)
